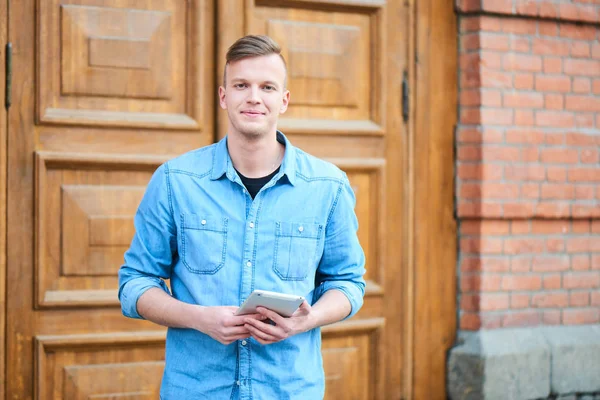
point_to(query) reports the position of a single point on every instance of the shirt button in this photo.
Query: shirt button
(203, 222)
(248, 264)
(251, 224)
(237, 383)
(244, 342)
(301, 229)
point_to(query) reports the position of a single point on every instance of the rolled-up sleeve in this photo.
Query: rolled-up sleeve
(149, 259)
(342, 265)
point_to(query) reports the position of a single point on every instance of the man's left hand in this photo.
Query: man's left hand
(283, 327)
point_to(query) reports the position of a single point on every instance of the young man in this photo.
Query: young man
(250, 212)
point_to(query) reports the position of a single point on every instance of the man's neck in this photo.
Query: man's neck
(255, 158)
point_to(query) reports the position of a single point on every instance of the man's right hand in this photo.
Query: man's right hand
(221, 323)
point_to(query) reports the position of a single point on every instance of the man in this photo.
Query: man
(250, 212)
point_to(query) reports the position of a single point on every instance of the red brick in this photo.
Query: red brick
(596, 262)
(573, 31)
(547, 28)
(469, 302)
(491, 59)
(550, 263)
(596, 86)
(548, 10)
(498, 153)
(554, 102)
(483, 283)
(554, 119)
(580, 139)
(470, 321)
(494, 264)
(485, 227)
(520, 227)
(526, 7)
(521, 319)
(585, 211)
(589, 156)
(497, 116)
(495, 79)
(584, 175)
(477, 245)
(469, 61)
(552, 65)
(568, 11)
(489, 23)
(551, 47)
(582, 103)
(588, 13)
(490, 41)
(555, 245)
(499, 190)
(556, 174)
(520, 44)
(524, 118)
(479, 171)
(578, 244)
(523, 246)
(579, 299)
(470, 98)
(525, 81)
(552, 191)
(520, 62)
(521, 264)
(580, 49)
(518, 210)
(519, 300)
(596, 226)
(584, 192)
(469, 41)
(470, 264)
(582, 85)
(498, 6)
(580, 262)
(551, 317)
(491, 98)
(552, 281)
(580, 317)
(478, 209)
(549, 226)
(555, 139)
(523, 100)
(525, 172)
(530, 191)
(519, 26)
(550, 300)
(559, 156)
(469, 153)
(525, 136)
(491, 320)
(521, 282)
(470, 115)
(581, 226)
(552, 209)
(469, 24)
(581, 280)
(470, 79)
(584, 120)
(493, 301)
(582, 67)
(530, 154)
(595, 299)
(549, 83)
(596, 50)
(476, 135)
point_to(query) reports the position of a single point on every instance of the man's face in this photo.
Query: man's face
(254, 95)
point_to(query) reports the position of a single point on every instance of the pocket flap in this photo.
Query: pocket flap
(208, 223)
(310, 230)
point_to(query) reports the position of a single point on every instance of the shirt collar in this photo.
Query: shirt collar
(222, 164)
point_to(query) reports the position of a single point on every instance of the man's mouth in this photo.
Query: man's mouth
(252, 113)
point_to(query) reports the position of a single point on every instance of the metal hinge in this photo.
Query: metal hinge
(405, 97)
(8, 83)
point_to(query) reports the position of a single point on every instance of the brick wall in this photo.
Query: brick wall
(528, 163)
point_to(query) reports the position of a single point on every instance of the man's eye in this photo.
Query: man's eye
(239, 85)
(268, 87)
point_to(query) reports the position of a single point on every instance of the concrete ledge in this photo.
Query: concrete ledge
(525, 363)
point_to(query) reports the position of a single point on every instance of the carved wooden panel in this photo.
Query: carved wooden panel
(333, 59)
(367, 180)
(124, 63)
(84, 214)
(100, 366)
(350, 350)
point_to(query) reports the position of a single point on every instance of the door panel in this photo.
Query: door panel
(106, 92)
(336, 54)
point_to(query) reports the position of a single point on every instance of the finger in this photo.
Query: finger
(238, 337)
(260, 335)
(236, 330)
(238, 320)
(263, 342)
(272, 315)
(263, 326)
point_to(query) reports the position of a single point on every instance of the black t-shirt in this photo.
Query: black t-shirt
(255, 184)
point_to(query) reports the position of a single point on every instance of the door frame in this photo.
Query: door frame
(3, 188)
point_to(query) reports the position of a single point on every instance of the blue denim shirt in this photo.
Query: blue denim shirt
(198, 226)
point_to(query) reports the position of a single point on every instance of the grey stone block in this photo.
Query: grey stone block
(498, 365)
(575, 358)
(567, 397)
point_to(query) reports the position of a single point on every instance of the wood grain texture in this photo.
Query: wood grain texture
(3, 162)
(435, 233)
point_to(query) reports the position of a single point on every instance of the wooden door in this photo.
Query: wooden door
(345, 70)
(103, 92)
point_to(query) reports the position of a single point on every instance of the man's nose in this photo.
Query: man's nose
(253, 96)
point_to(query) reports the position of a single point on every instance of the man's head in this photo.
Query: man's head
(253, 91)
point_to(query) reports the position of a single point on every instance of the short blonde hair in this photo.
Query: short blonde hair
(251, 46)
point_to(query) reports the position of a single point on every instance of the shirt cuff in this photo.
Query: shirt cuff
(133, 290)
(353, 291)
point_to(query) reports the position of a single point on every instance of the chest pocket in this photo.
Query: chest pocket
(203, 243)
(296, 246)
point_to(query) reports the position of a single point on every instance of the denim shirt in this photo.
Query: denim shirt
(198, 227)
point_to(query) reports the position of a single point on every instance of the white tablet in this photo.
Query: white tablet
(283, 304)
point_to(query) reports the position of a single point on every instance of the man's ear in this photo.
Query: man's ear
(285, 101)
(222, 98)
